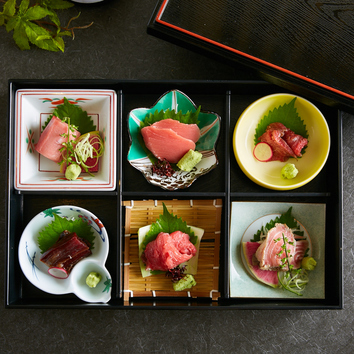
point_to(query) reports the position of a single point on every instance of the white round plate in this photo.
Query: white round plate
(257, 225)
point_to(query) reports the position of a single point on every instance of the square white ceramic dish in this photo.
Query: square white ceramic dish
(243, 214)
(35, 172)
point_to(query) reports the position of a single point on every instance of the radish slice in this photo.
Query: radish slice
(263, 152)
(58, 273)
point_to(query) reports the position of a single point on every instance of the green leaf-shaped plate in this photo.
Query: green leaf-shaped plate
(268, 174)
(209, 124)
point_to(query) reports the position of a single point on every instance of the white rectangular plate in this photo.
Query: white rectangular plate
(311, 216)
(35, 172)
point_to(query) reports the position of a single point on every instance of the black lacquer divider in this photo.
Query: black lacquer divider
(225, 259)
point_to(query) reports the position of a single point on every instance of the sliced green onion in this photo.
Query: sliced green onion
(296, 283)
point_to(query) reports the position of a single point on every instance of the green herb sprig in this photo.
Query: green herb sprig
(49, 235)
(286, 114)
(78, 116)
(68, 149)
(285, 261)
(286, 219)
(186, 118)
(37, 23)
(293, 280)
(167, 222)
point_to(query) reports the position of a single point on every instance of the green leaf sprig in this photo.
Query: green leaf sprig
(37, 24)
(78, 117)
(286, 114)
(49, 235)
(285, 260)
(286, 219)
(293, 280)
(68, 148)
(167, 222)
(186, 118)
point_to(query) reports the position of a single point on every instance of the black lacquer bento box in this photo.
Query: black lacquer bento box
(210, 202)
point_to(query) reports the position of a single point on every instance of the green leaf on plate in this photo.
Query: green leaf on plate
(49, 235)
(168, 223)
(285, 218)
(77, 115)
(286, 114)
(187, 118)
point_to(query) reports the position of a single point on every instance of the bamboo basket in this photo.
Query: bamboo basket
(205, 214)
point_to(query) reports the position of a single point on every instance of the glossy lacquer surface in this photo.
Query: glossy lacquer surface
(302, 42)
(116, 47)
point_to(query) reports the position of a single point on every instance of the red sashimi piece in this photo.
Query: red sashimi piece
(166, 144)
(270, 277)
(295, 141)
(188, 131)
(280, 127)
(271, 252)
(300, 250)
(167, 251)
(281, 150)
(92, 161)
(66, 252)
(265, 276)
(51, 139)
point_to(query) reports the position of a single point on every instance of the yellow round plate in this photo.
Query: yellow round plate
(267, 174)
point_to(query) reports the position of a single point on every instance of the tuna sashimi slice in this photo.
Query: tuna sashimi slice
(279, 127)
(188, 131)
(270, 277)
(281, 150)
(166, 144)
(66, 252)
(300, 250)
(295, 141)
(265, 276)
(271, 252)
(92, 161)
(167, 251)
(51, 139)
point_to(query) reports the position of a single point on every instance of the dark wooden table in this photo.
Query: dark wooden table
(304, 44)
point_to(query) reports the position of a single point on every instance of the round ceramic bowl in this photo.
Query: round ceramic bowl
(268, 174)
(36, 272)
(209, 124)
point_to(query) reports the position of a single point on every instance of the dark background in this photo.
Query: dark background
(116, 46)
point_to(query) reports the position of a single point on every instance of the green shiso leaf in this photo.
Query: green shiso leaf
(285, 218)
(77, 115)
(286, 114)
(167, 222)
(187, 118)
(49, 235)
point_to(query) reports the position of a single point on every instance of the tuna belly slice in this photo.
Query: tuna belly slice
(295, 141)
(166, 144)
(66, 252)
(51, 139)
(188, 131)
(271, 252)
(281, 150)
(300, 250)
(265, 276)
(167, 251)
